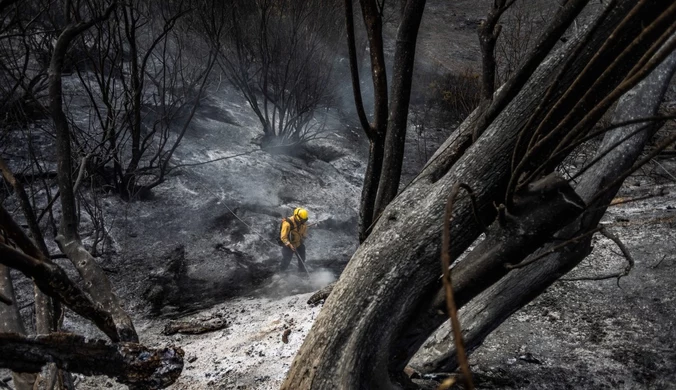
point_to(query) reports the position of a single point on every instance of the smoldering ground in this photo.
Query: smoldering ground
(296, 282)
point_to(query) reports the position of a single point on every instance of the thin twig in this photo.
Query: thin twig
(663, 145)
(630, 260)
(448, 287)
(659, 262)
(664, 169)
(49, 206)
(636, 199)
(81, 172)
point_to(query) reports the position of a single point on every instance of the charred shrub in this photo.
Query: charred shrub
(457, 94)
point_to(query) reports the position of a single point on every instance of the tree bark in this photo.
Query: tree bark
(375, 300)
(489, 31)
(370, 187)
(376, 131)
(10, 319)
(129, 363)
(521, 286)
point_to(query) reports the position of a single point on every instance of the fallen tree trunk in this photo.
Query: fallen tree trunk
(521, 286)
(396, 270)
(129, 363)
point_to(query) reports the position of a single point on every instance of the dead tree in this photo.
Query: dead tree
(387, 132)
(620, 150)
(98, 285)
(128, 362)
(124, 359)
(489, 31)
(144, 57)
(377, 317)
(278, 54)
(376, 129)
(45, 315)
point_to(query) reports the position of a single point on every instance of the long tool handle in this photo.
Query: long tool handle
(302, 262)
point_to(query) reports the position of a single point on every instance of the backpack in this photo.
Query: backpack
(279, 231)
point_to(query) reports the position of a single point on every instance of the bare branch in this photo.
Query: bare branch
(81, 172)
(448, 288)
(354, 69)
(52, 280)
(625, 251)
(614, 275)
(659, 262)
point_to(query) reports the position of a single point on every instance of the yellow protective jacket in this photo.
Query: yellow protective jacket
(293, 231)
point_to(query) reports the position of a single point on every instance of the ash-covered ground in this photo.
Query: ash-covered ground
(577, 335)
(201, 247)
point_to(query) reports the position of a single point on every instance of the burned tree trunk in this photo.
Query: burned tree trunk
(10, 321)
(489, 31)
(396, 270)
(494, 306)
(129, 363)
(375, 131)
(402, 78)
(45, 314)
(98, 285)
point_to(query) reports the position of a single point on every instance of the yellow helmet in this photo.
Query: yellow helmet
(300, 214)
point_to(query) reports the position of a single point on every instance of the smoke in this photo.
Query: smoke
(322, 278)
(296, 282)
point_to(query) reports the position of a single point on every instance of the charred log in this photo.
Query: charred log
(129, 363)
(195, 326)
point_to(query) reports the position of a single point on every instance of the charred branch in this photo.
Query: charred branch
(129, 363)
(489, 31)
(547, 207)
(451, 307)
(402, 78)
(321, 295)
(194, 326)
(354, 69)
(615, 275)
(52, 280)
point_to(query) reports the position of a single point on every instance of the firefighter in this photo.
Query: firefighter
(292, 236)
